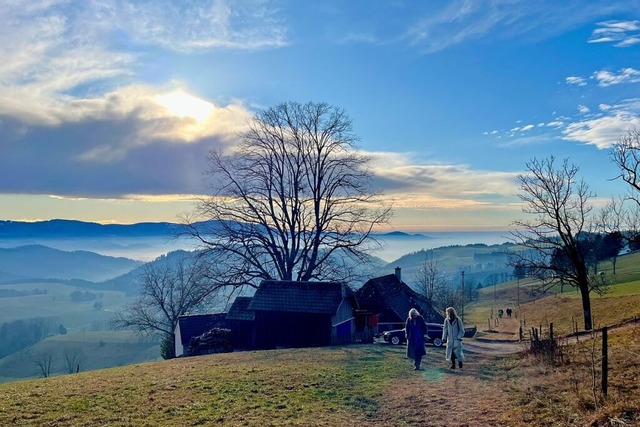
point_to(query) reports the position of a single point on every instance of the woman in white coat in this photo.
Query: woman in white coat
(453, 332)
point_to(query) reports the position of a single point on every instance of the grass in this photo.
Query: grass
(98, 349)
(328, 386)
(351, 385)
(621, 302)
(56, 304)
(569, 393)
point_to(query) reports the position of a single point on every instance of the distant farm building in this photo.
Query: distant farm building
(384, 303)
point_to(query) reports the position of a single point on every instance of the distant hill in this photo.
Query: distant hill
(481, 263)
(42, 262)
(128, 282)
(62, 228)
(401, 235)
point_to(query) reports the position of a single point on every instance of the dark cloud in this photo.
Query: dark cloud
(53, 160)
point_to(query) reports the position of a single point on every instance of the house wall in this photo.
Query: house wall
(389, 320)
(344, 313)
(243, 334)
(178, 342)
(281, 329)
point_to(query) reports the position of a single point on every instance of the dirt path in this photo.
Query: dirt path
(468, 397)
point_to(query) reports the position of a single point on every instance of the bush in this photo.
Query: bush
(168, 347)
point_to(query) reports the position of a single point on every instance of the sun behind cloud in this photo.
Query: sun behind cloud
(182, 105)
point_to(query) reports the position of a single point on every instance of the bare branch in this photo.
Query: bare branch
(292, 201)
(558, 240)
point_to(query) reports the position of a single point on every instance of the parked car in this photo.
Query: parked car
(433, 335)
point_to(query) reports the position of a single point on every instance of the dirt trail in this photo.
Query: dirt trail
(468, 397)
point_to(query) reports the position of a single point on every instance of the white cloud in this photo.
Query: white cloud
(604, 131)
(52, 51)
(620, 33)
(527, 127)
(555, 124)
(575, 80)
(625, 75)
(527, 140)
(464, 20)
(45, 55)
(583, 109)
(193, 25)
(439, 185)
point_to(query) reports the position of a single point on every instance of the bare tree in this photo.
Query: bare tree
(291, 200)
(626, 155)
(431, 280)
(618, 216)
(43, 359)
(73, 356)
(167, 292)
(557, 238)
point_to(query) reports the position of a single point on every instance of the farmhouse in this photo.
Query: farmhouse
(193, 325)
(302, 314)
(384, 303)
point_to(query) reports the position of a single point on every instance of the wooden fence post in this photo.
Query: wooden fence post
(605, 361)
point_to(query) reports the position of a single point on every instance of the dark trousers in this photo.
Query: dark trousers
(417, 361)
(453, 359)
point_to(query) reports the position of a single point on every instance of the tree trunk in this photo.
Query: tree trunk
(586, 307)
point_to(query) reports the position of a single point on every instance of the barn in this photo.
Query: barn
(241, 321)
(302, 314)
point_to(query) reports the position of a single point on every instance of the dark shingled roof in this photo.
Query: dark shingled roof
(239, 310)
(389, 292)
(299, 297)
(193, 325)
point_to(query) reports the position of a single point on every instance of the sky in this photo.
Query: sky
(108, 108)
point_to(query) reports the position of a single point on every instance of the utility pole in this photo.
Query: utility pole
(462, 291)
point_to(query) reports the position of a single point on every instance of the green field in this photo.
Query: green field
(620, 302)
(87, 325)
(57, 304)
(98, 350)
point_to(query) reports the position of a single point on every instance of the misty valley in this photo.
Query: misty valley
(58, 299)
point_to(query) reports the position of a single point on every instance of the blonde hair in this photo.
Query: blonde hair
(413, 312)
(451, 313)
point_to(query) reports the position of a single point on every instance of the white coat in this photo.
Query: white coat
(453, 332)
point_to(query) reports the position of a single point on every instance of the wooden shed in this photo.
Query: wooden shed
(241, 321)
(302, 314)
(193, 325)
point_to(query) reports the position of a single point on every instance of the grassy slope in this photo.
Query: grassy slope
(328, 386)
(57, 304)
(621, 302)
(565, 393)
(337, 386)
(99, 350)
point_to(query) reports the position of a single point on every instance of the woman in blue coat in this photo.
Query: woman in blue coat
(415, 328)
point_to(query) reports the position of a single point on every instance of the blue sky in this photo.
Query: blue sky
(108, 108)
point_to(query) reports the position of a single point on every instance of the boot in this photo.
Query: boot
(460, 365)
(453, 364)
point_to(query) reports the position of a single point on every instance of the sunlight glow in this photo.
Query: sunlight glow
(181, 104)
